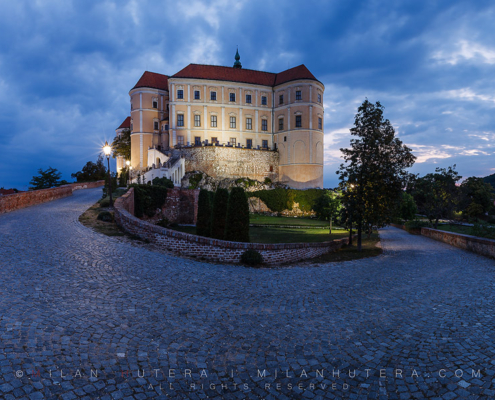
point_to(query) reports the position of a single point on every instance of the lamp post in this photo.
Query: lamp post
(107, 150)
(350, 218)
(128, 163)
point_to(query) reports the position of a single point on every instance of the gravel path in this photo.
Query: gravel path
(151, 325)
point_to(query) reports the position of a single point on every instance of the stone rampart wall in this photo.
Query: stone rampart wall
(213, 249)
(16, 201)
(229, 162)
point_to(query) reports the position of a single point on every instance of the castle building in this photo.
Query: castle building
(229, 122)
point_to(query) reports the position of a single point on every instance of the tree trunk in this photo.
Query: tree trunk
(436, 223)
(360, 231)
(350, 234)
(330, 225)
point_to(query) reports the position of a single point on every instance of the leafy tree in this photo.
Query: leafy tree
(237, 225)
(204, 214)
(374, 168)
(437, 194)
(92, 171)
(219, 214)
(46, 179)
(408, 208)
(476, 196)
(328, 206)
(121, 145)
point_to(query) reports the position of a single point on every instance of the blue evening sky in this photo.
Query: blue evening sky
(66, 68)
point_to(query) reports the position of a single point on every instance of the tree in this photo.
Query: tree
(328, 206)
(375, 167)
(92, 171)
(121, 145)
(408, 208)
(219, 214)
(437, 194)
(237, 224)
(166, 182)
(204, 214)
(476, 196)
(47, 179)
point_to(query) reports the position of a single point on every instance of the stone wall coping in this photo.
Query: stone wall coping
(475, 239)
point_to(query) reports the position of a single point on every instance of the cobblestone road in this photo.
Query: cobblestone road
(81, 304)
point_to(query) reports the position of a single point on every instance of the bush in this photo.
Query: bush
(105, 216)
(105, 202)
(165, 182)
(268, 181)
(237, 225)
(203, 227)
(281, 199)
(251, 257)
(415, 226)
(147, 199)
(219, 213)
(164, 222)
(194, 180)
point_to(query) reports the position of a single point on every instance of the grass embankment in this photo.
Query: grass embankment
(283, 235)
(349, 253)
(484, 231)
(267, 220)
(89, 219)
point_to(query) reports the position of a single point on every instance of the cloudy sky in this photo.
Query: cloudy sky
(66, 68)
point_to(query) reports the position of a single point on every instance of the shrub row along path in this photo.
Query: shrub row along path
(73, 300)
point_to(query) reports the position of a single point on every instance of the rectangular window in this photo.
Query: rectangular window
(320, 123)
(280, 124)
(319, 98)
(180, 140)
(156, 125)
(155, 104)
(248, 98)
(263, 100)
(180, 119)
(213, 121)
(197, 120)
(213, 96)
(197, 140)
(232, 96)
(264, 124)
(232, 122)
(249, 143)
(264, 144)
(298, 95)
(214, 140)
(196, 95)
(180, 94)
(281, 99)
(285, 138)
(298, 121)
(233, 141)
(249, 123)
(166, 127)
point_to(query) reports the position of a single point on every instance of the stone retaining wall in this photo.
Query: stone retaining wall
(16, 201)
(213, 249)
(230, 162)
(482, 246)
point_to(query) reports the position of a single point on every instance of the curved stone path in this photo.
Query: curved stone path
(151, 325)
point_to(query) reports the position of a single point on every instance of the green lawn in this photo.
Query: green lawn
(348, 253)
(283, 235)
(267, 220)
(484, 231)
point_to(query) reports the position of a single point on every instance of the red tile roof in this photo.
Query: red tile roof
(126, 124)
(152, 80)
(4, 192)
(215, 72)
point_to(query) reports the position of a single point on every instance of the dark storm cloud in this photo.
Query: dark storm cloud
(66, 68)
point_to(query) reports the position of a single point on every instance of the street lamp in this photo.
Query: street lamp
(128, 163)
(107, 149)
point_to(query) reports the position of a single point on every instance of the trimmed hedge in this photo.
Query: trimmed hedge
(237, 225)
(147, 199)
(203, 226)
(219, 214)
(281, 199)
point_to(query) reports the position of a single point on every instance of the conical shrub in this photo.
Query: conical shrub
(237, 226)
(219, 214)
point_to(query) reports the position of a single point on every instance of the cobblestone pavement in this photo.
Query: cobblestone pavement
(77, 303)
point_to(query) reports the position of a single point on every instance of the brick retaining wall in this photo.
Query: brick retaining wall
(212, 249)
(16, 201)
(482, 246)
(181, 206)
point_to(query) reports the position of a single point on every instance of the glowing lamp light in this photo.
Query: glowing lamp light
(107, 149)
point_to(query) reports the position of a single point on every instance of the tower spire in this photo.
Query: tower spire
(237, 63)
